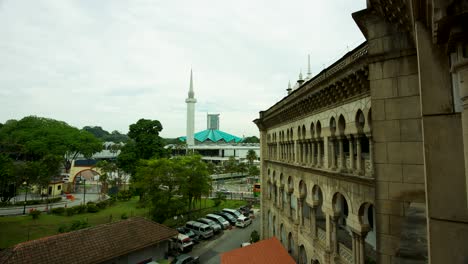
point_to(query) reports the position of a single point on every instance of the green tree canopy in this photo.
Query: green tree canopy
(252, 139)
(171, 184)
(33, 138)
(251, 156)
(145, 144)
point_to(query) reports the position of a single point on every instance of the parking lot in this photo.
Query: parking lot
(209, 250)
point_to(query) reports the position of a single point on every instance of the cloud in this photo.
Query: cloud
(110, 63)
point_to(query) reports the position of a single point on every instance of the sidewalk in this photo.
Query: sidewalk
(18, 210)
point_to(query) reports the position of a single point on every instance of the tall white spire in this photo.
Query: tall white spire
(309, 72)
(191, 113)
(191, 94)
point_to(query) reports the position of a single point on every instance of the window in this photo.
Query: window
(59, 187)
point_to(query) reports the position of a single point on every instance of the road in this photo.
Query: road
(4, 211)
(209, 251)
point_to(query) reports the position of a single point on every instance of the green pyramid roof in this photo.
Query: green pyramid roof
(214, 135)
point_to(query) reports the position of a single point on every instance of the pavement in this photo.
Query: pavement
(18, 210)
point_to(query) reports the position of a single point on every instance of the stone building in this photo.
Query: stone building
(366, 161)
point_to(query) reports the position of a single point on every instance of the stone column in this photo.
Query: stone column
(359, 247)
(300, 213)
(359, 154)
(304, 153)
(355, 249)
(319, 153)
(371, 154)
(333, 154)
(312, 153)
(332, 233)
(313, 222)
(351, 153)
(281, 197)
(341, 154)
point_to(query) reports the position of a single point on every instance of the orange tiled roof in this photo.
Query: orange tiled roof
(268, 251)
(90, 245)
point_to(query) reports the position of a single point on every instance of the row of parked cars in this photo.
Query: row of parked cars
(206, 227)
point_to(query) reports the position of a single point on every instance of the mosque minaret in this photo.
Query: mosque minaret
(191, 113)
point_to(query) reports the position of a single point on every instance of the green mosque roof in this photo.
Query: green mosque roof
(214, 135)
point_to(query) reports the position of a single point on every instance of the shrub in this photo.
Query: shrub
(124, 216)
(124, 195)
(111, 201)
(78, 224)
(90, 202)
(102, 204)
(92, 208)
(53, 200)
(34, 213)
(58, 210)
(254, 236)
(62, 228)
(69, 211)
(2, 204)
(79, 209)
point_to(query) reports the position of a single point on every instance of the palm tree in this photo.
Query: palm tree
(251, 156)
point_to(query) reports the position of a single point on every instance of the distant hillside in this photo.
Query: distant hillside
(114, 136)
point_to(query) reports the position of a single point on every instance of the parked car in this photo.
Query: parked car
(215, 226)
(219, 219)
(245, 210)
(182, 243)
(202, 230)
(188, 232)
(185, 259)
(232, 212)
(243, 221)
(228, 217)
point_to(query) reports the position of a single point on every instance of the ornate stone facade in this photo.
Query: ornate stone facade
(366, 160)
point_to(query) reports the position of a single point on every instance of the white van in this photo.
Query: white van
(233, 212)
(203, 230)
(219, 219)
(243, 221)
(182, 243)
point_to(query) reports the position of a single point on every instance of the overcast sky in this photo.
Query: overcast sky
(110, 63)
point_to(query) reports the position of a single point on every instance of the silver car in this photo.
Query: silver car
(215, 226)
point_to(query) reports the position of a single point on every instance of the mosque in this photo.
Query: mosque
(213, 144)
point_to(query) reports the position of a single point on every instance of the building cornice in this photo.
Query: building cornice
(330, 174)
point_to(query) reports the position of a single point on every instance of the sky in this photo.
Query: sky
(109, 63)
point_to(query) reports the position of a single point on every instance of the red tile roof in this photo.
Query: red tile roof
(90, 245)
(269, 251)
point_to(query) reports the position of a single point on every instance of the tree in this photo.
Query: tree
(8, 179)
(145, 144)
(32, 138)
(251, 156)
(252, 139)
(230, 165)
(160, 179)
(242, 168)
(145, 134)
(254, 171)
(168, 185)
(196, 179)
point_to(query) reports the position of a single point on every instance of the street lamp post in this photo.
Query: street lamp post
(25, 197)
(84, 191)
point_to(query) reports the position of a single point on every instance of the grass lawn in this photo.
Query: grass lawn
(16, 229)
